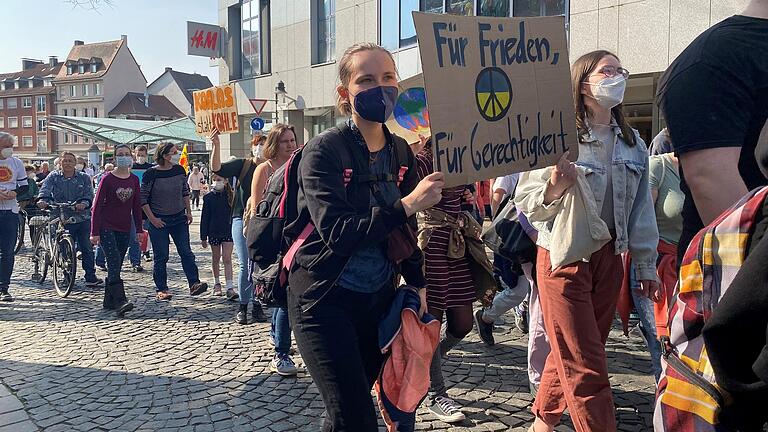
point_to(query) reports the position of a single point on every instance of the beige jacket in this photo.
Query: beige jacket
(570, 228)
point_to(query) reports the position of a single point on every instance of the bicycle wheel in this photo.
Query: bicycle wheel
(40, 256)
(20, 233)
(64, 265)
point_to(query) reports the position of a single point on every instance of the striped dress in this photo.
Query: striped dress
(449, 280)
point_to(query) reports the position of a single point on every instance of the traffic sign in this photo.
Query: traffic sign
(257, 123)
(258, 105)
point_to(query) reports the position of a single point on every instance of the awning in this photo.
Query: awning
(123, 131)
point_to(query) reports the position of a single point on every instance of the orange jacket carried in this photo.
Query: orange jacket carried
(404, 378)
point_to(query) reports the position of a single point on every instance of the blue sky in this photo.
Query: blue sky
(156, 30)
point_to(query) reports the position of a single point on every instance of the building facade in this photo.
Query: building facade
(93, 80)
(297, 42)
(178, 87)
(27, 98)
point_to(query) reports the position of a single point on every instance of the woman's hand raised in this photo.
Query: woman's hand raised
(427, 193)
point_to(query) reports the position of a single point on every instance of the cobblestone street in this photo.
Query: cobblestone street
(184, 365)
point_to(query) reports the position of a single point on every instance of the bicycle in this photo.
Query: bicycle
(20, 233)
(54, 247)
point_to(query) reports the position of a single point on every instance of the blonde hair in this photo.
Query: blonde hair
(345, 70)
(272, 143)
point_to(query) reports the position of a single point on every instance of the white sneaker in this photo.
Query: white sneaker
(283, 365)
(446, 409)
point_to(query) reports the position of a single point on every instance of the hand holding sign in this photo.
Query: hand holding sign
(427, 193)
(563, 176)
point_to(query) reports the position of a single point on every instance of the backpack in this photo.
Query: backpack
(688, 398)
(273, 251)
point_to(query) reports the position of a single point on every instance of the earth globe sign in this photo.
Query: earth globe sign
(411, 110)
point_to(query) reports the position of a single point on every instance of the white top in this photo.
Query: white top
(12, 175)
(507, 183)
(195, 181)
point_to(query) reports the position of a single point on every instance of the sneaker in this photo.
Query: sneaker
(138, 268)
(232, 295)
(521, 317)
(283, 365)
(5, 297)
(258, 313)
(242, 317)
(217, 290)
(198, 288)
(94, 283)
(446, 409)
(163, 295)
(147, 257)
(485, 329)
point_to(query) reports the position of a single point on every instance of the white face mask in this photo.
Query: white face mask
(176, 158)
(78, 167)
(123, 161)
(256, 151)
(218, 185)
(609, 92)
(6, 152)
(32, 177)
(141, 159)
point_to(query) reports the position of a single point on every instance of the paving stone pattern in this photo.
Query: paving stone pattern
(185, 365)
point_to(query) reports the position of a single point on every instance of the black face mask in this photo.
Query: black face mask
(376, 104)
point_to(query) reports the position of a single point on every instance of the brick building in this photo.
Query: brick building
(27, 98)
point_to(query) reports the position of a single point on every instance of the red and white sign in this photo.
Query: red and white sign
(258, 105)
(203, 40)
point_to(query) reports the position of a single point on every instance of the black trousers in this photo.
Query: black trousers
(338, 340)
(195, 198)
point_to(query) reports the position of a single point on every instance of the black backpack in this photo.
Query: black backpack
(268, 247)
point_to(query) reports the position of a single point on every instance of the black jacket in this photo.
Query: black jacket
(215, 221)
(343, 216)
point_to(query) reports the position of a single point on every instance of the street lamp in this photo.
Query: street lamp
(279, 90)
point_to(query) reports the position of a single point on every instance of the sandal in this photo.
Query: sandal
(163, 295)
(232, 295)
(217, 290)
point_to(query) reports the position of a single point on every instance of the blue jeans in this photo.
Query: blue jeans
(281, 330)
(176, 228)
(244, 287)
(81, 232)
(100, 259)
(644, 307)
(134, 251)
(9, 225)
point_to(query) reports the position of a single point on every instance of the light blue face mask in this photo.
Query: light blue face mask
(123, 161)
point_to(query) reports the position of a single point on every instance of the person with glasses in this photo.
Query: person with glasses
(578, 298)
(165, 200)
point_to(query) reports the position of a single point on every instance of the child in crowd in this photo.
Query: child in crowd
(216, 230)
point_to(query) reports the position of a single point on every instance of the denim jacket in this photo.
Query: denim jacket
(635, 219)
(77, 189)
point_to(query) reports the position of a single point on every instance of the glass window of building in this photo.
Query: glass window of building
(27, 141)
(41, 104)
(42, 125)
(26, 122)
(94, 67)
(460, 7)
(325, 48)
(13, 122)
(13, 103)
(2, 103)
(85, 90)
(81, 68)
(529, 8)
(2, 122)
(73, 90)
(26, 102)
(95, 112)
(494, 8)
(255, 37)
(97, 89)
(42, 144)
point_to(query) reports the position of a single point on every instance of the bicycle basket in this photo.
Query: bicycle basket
(38, 220)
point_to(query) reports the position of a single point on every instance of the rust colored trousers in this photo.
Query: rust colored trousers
(578, 301)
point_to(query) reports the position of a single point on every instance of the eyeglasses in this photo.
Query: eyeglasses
(610, 71)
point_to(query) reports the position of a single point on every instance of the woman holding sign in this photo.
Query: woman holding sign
(582, 234)
(343, 277)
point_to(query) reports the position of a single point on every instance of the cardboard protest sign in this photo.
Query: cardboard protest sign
(216, 107)
(410, 117)
(499, 94)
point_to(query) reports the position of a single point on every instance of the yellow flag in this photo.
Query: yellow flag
(184, 160)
